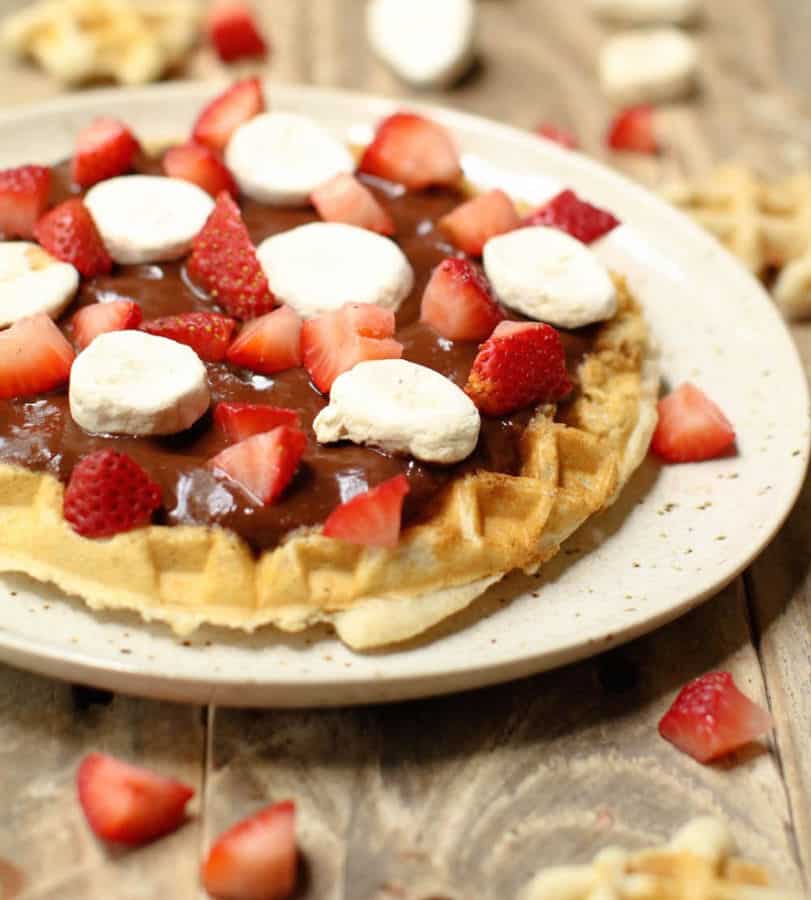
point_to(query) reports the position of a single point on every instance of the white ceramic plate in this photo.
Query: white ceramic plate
(677, 535)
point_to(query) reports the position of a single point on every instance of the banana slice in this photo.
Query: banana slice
(32, 281)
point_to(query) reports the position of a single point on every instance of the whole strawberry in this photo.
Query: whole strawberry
(69, 233)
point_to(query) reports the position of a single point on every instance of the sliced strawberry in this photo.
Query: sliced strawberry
(337, 341)
(632, 130)
(344, 199)
(200, 165)
(372, 518)
(569, 213)
(232, 29)
(557, 134)
(413, 151)
(34, 357)
(710, 718)
(691, 427)
(221, 118)
(24, 196)
(101, 318)
(208, 334)
(104, 149)
(128, 804)
(243, 420)
(471, 225)
(69, 233)
(269, 344)
(256, 859)
(224, 262)
(521, 364)
(458, 302)
(263, 464)
(109, 493)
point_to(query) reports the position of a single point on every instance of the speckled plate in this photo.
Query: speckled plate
(675, 537)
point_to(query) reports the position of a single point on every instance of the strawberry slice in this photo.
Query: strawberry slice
(413, 151)
(710, 717)
(337, 341)
(233, 31)
(101, 318)
(344, 199)
(128, 804)
(24, 196)
(265, 463)
(243, 420)
(521, 364)
(471, 225)
(372, 518)
(269, 344)
(569, 213)
(104, 149)
(458, 302)
(34, 357)
(632, 130)
(691, 427)
(208, 334)
(69, 233)
(256, 859)
(226, 112)
(200, 165)
(109, 493)
(223, 261)
(557, 134)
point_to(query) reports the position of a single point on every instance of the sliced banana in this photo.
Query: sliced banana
(32, 281)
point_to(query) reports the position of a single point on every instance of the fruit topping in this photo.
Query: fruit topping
(208, 334)
(104, 149)
(232, 28)
(558, 135)
(471, 225)
(372, 518)
(458, 302)
(243, 420)
(226, 112)
(269, 344)
(691, 427)
(34, 357)
(200, 165)
(24, 193)
(69, 233)
(344, 199)
(99, 318)
(632, 130)
(569, 213)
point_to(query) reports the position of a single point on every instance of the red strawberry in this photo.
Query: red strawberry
(232, 29)
(710, 718)
(243, 420)
(344, 199)
(208, 334)
(458, 303)
(263, 464)
(128, 804)
(471, 225)
(34, 357)
(372, 518)
(558, 135)
(336, 341)
(632, 129)
(691, 427)
(569, 213)
(521, 364)
(413, 151)
(226, 112)
(69, 233)
(24, 196)
(255, 859)
(100, 318)
(224, 262)
(109, 493)
(104, 149)
(200, 165)
(269, 344)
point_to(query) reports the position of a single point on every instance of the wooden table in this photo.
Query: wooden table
(464, 797)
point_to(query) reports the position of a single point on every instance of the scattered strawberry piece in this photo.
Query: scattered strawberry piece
(208, 334)
(221, 118)
(101, 318)
(223, 261)
(269, 344)
(521, 364)
(104, 149)
(69, 233)
(128, 804)
(471, 225)
(232, 28)
(632, 130)
(372, 518)
(243, 420)
(557, 134)
(109, 493)
(413, 151)
(24, 193)
(691, 427)
(34, 357)
(200, 165)
(263, 464)
(344, 199)
(255, 859)
(710, 718)
(458, 302)
(337, 341)
(569, 213)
